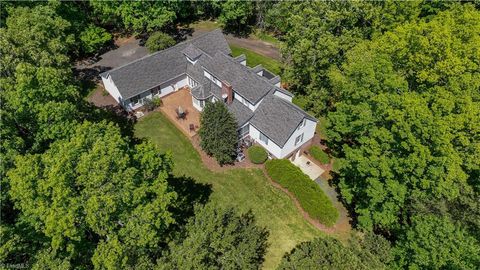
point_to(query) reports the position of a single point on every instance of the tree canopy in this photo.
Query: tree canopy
(95, 183)
(218, 238)
(371, 252)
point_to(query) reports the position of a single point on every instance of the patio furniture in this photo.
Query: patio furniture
(192, 127)
(180, 112)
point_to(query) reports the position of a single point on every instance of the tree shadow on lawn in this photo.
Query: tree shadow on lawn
(189, 193)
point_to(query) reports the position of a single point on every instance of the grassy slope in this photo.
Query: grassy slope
(254, 59)
(244, 189)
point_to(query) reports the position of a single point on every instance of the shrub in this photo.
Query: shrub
(159, 41)
(257, 154)
(151, 104)
(318, 154)
(310, 196)
(94, 38)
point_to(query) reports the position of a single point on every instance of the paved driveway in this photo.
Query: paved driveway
(308, 167)
(127, 51)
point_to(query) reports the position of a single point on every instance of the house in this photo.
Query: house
(263, 109)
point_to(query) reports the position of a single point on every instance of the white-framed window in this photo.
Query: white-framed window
(304, 122)
(196, 101)
(263, 138)
(135, 100)
(299, 139)
(155, 91)
(244, 131)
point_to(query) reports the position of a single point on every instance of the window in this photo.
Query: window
(263, 138)
(299, 139)
(243, 131)
(135, 100)
(302, 124)
(156, 90)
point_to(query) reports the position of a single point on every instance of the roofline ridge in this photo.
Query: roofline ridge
(164, 50)
(295, 107)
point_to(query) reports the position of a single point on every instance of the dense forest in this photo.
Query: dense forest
(396, 83)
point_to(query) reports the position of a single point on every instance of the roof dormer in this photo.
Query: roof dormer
(192, 53)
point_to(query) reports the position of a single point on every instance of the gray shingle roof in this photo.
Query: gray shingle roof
(192, 52)
(160, 67)
(240, 111)
(249, 85)
(278, 118)
(240, 58)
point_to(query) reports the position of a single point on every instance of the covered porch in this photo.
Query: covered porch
(178, 107)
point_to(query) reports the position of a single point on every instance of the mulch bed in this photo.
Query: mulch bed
(213, 165)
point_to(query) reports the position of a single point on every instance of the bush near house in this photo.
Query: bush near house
(257, 154)
(159, 41)
(318, 154)
(152, 104)
(310, 196)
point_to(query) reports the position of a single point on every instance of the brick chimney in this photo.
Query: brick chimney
(227, 92)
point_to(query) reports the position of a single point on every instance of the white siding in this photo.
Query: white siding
(112, 89)
(271, 147)
(212, 78)
(244, 62)
(165, 89)
(281, 152)
(308, 131)
(196, 104)
(282, 95)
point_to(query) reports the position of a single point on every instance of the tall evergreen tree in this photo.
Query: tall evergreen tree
(218, 132)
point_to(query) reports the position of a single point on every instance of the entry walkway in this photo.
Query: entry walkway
(308, 167)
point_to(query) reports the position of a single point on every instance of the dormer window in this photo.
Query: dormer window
(302, 124)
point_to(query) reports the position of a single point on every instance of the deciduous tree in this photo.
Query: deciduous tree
(219, 238)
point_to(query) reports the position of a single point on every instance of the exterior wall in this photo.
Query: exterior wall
(282, 95)
(278, 84)
(195, 104)
(165, 89)
(244, 62)
(308, 132)
(212, 78)
(281, 152)
(271, 147)
(112, 89)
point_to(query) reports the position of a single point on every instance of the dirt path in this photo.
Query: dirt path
(256, 45)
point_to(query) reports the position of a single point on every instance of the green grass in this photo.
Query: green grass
(321, 128)
(309, 194)
(254, 59)
(242, 188)
(257, 154)
(319, 154)
(266, 37)
(206, 25)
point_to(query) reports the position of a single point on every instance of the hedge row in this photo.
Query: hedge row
(310, 196)
(318, 154)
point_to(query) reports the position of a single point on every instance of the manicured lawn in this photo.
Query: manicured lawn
(254, 59)
(310, 196)
(244, 189)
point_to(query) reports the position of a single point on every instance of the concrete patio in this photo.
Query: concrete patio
(308, 167)
(181, 98)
